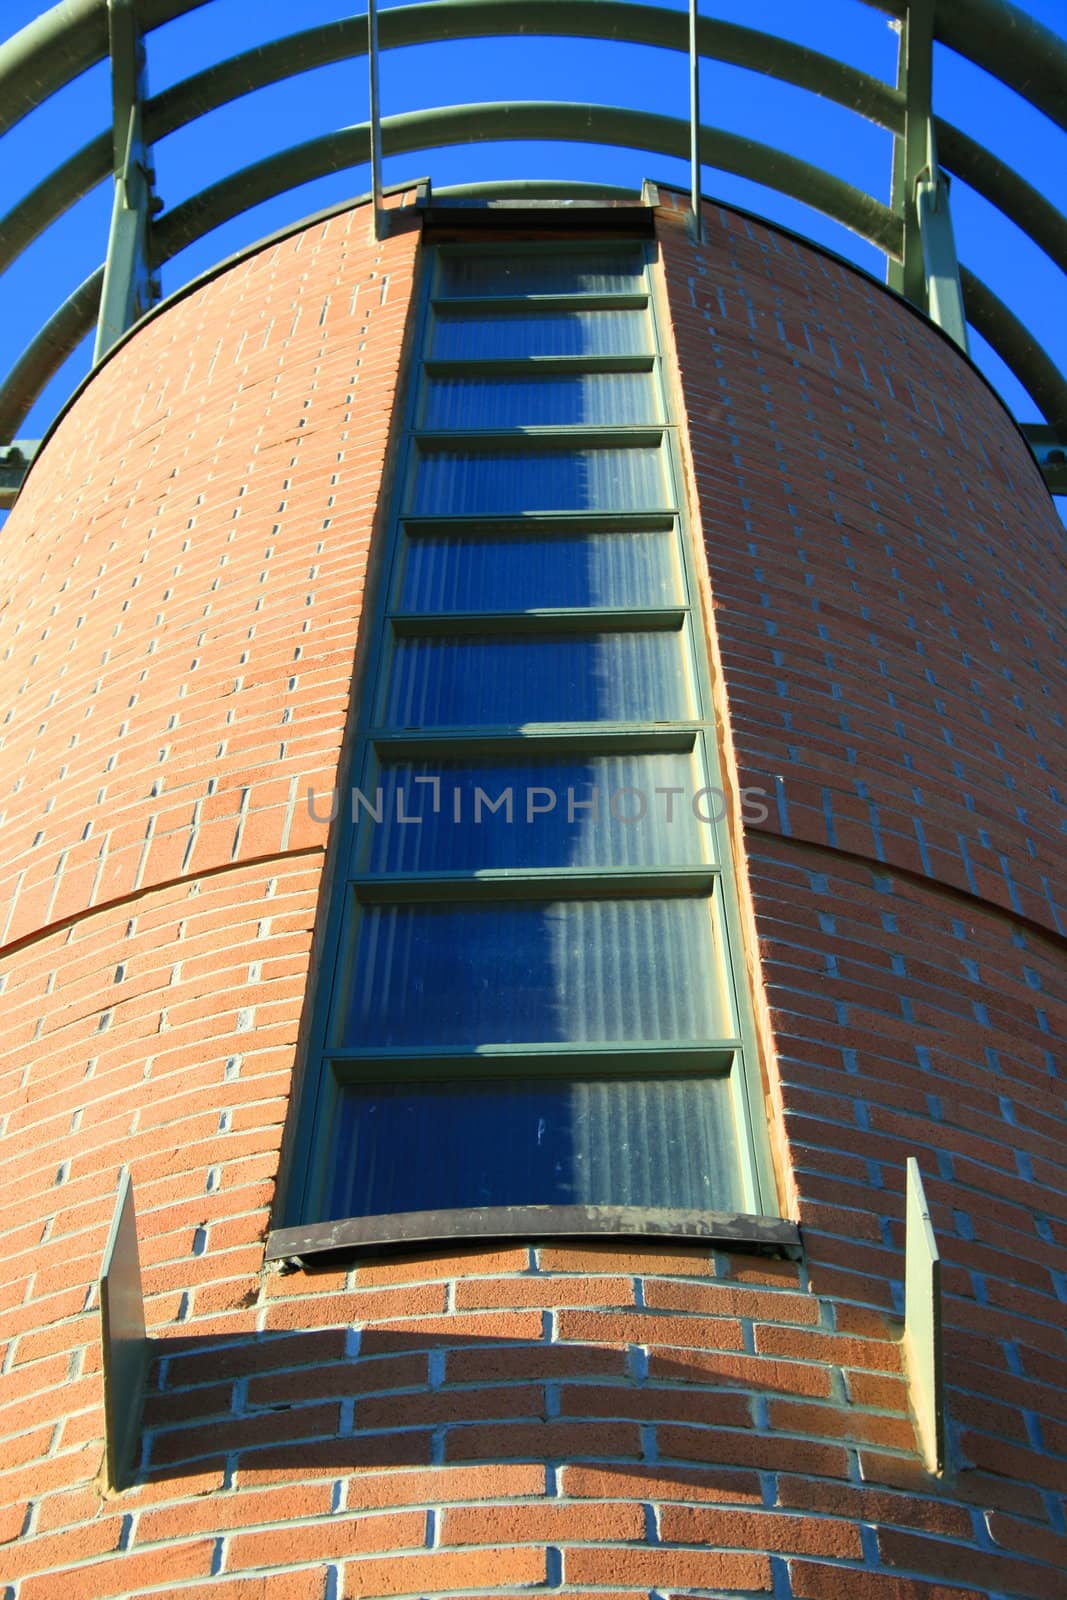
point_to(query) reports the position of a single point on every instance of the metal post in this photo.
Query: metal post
(915, 62)
(929, 273)
(696, 225)
(375, 119)
(129, 287)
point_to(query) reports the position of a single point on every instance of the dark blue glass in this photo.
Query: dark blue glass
(642, 1141)
(528, 571)
(554, 272)
(439, 974)
(593, 811)
(469, 335)
(503, 680)
(458, 483)
(592, 399)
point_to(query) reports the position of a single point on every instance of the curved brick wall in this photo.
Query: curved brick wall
(605, 1421)
(887, 577)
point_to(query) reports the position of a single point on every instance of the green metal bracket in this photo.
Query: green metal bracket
(129, 287)
(922, 1323)
(15, 461)
(928, 272)
(1049, 446)
(125, 1344)
(941, 269)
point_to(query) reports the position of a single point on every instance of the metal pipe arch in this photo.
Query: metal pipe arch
(73, 35)
(995, 35)
(421, 130)
(218, 85)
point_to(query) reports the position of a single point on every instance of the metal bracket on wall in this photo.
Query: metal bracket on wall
(922, 1323)
(944, 296)
(1049, 445)
(126, 1346)
(129, 285)
(15, 461)
(928, 273)
(915, 60)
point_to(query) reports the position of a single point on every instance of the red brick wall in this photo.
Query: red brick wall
(886, 583)
(609, 1421)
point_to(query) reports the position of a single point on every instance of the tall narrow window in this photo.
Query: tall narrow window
(534, 996)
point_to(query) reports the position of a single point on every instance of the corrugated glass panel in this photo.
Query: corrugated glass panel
(590, 399)
(523, 572)
(507, 680)
(535, 972)
(466, 969)
(483, 335)
(593, 811)
(457, 483)
(629, 1141)
(610, 271)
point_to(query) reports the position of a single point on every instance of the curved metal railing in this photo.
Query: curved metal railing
(913, 230)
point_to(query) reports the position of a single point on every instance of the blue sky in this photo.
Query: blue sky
(529, 69)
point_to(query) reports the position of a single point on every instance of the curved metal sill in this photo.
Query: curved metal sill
(418, 1229)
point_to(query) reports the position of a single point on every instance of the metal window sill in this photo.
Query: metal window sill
(352, 1236)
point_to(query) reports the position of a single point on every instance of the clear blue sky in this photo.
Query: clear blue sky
(530, 69)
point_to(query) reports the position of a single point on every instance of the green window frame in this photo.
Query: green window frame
(636, 677)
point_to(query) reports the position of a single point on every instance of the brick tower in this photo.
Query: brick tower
(529, 770)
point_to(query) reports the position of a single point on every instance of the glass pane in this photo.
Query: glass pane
(456, 483)
(482, 335)
(522, 572)
(632, 1141)
(596, 811)
(535, 972)
(586, 399)
(506, 681)
(547, 272)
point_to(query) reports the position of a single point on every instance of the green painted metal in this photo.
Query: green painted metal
(1011, 46)
(1039, 376)
(451, 125)
(73, 35)
(129, 288)
(206, 91)
(407, 25)
(60, 45)
(1049, 445)
(941, 271)
(928, 271)
(375, 107)
(746, 47)
(696, 220)
(997, 36)
(910, 147)
(529, 119)
(992, 178)
(46, 353)
(15, 459)
(922, 1322)
(124, 1341)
